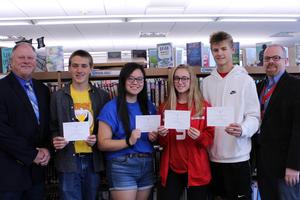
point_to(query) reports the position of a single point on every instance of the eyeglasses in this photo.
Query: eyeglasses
(274, 58)
(139, 80)
(183, 79)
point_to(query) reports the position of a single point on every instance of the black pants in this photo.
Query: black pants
(175, 187)
(231, 180)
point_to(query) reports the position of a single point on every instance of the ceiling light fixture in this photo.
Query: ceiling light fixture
(11, 38)
(146, 20)
(257, 20)
(78, 21)
(155, 18)
(15, 23)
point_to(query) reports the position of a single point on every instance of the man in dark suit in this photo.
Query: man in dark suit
(279, 136)
(24, 129)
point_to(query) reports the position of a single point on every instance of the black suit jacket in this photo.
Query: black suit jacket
(20, 134)
(279, 138)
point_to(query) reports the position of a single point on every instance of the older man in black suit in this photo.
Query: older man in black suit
(24, 130)
(279, 137)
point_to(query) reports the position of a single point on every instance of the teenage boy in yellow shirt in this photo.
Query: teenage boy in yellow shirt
(78, 162)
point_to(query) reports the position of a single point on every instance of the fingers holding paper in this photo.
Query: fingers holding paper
(91, 140)
(59, 142)
(193, 133)
(162, 131)
(234, 129)
(135, 135)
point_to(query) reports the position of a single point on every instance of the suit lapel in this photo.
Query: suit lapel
(20, 92)
(276, 94)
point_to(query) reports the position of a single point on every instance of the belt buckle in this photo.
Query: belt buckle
(143, 155)
(81, 155)
(131, 155)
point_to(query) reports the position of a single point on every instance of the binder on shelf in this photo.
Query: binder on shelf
(114, 55)
(165, 55)
(55, 58)
(5, 59)
(194, 54)
(236, 54)
(297, 51)
(41, 58)
(206, 57)
(249, 56)
(178, 56)
(152, 56)
(138, 54)
(260, 48)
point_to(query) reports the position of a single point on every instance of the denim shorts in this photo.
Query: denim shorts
(130, 173)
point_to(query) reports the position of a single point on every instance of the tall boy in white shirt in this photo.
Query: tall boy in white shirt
(231, 86)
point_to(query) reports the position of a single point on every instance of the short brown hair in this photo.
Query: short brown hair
(220, 36)
(84, 54)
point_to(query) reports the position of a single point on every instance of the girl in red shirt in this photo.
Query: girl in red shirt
(184, 160)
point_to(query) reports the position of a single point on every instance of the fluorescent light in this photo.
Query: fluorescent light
(257, 20)
(78, 21)
(14, 23)
(3, 37)
(145, 20)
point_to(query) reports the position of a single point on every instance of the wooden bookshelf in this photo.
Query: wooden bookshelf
(150, 73)
(119, 63)
(260, 70)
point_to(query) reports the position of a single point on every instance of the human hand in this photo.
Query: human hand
(291, 177)
(234, 129)
(152, 136)
(91, 140)
(46, 158)
(135, 135)
(162, 131)
(43, 156)
(59, 142)
(193, 133)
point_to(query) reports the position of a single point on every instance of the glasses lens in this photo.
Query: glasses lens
(274, 58)
(131, 79)
(183, 79)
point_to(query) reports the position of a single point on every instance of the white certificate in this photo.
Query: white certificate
(147, 123)
(74, 131)
(220, 116)
(177, 119)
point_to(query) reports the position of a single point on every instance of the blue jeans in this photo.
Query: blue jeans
(130, 173)
(36, 192)
(82, 184)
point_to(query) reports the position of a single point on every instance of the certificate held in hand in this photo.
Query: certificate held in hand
(147, 123)
(220, 116)
(177, 119)
(74, 131)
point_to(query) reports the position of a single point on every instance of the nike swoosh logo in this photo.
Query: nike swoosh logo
(240, 196)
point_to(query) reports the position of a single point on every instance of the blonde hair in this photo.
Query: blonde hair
(195, 97)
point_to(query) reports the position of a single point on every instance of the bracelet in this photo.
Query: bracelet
(128, 142)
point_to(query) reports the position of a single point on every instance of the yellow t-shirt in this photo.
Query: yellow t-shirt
(83, 112)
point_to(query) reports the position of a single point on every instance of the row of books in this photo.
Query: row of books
(164, 55)
(157, 88)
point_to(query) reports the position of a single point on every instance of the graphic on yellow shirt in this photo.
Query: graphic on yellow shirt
(83, 113)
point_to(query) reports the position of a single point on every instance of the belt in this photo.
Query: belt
(83, 154)
(139, 155)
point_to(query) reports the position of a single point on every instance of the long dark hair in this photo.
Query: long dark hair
(121, 99)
